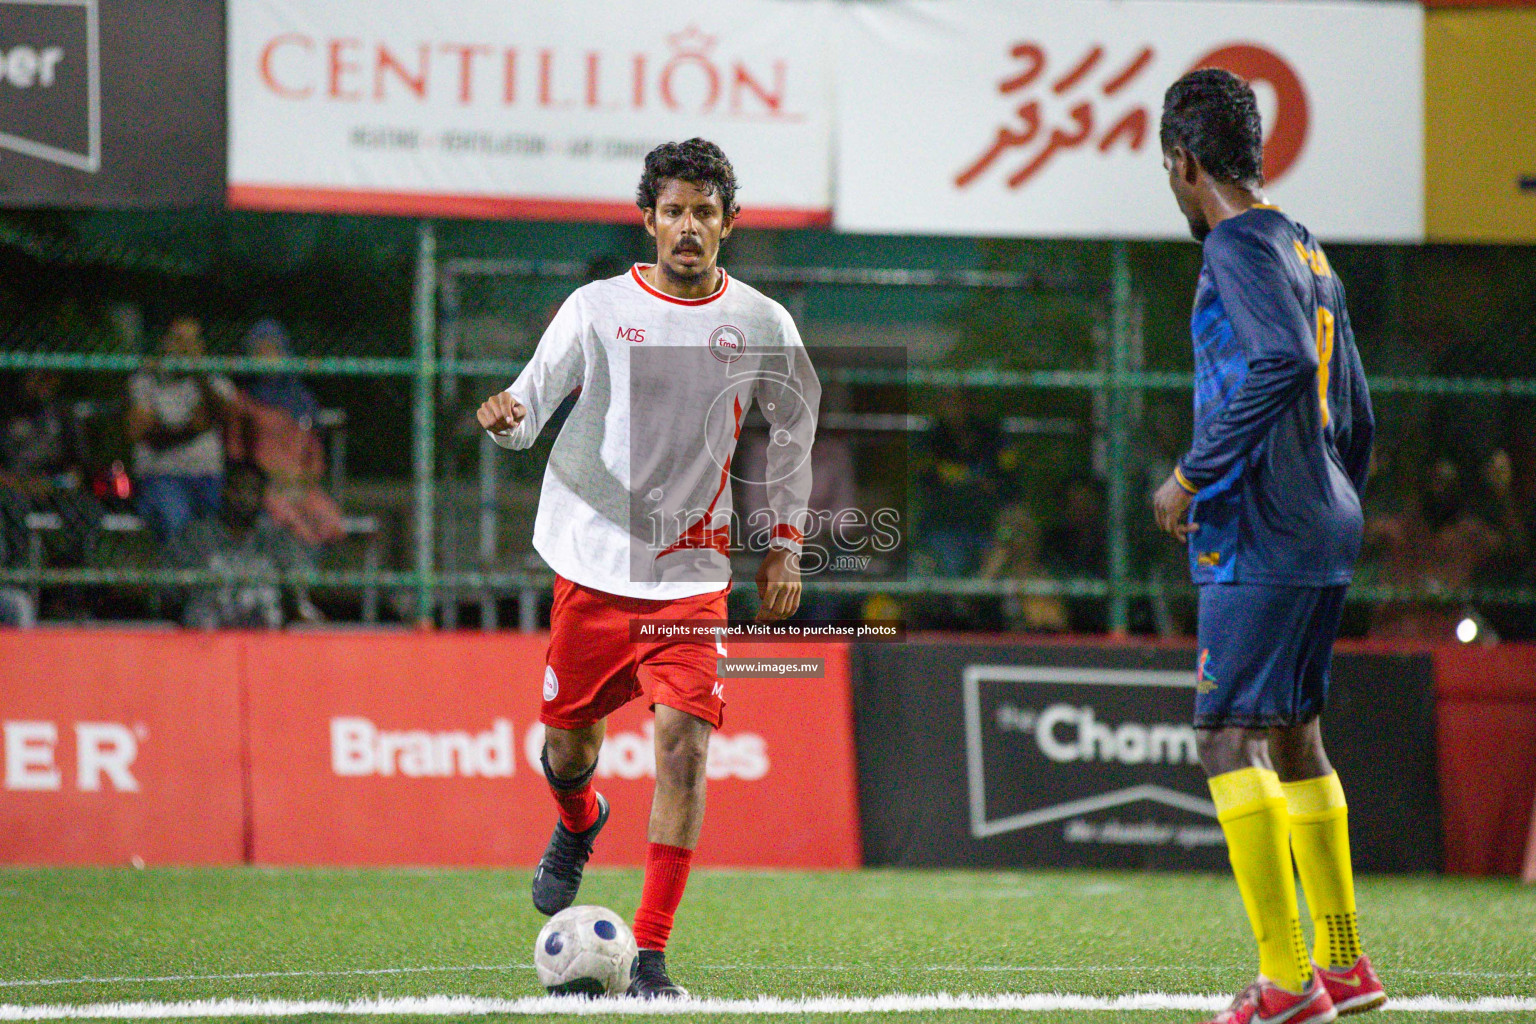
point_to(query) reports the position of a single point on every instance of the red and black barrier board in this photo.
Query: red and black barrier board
(122, 747)
(409, 749)
(1083, 756)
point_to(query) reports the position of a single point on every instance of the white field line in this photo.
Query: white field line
(358, 972)
(130, 979)
(448, 1006)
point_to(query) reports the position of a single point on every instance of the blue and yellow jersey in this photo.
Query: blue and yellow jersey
(1283, 420)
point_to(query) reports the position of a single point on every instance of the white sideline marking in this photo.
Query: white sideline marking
(134, 979)
(142, 979)
(444, 1006)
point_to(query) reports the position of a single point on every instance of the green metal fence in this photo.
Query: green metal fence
(1108, 299)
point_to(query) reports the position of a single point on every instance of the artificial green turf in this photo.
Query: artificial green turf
(738, 935)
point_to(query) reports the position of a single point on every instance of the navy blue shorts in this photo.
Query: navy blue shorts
(1265, 653)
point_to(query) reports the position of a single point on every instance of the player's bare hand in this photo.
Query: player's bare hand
(1170, 506)
(778, 585)
(501, 413)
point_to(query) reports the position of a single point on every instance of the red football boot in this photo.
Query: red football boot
(1264, 1002)
(1355, 990)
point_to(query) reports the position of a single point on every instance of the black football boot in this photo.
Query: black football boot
(648, 977)
(558, 876)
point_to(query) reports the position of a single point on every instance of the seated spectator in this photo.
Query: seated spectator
(1436, 544)
(272, 425)
(1014, 555)
(1500, 508)
(173, 422)
(1073, 548)
(242, 541)
(962, 478)
(43, 469)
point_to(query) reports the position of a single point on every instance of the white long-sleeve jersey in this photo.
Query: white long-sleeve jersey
(636, 498)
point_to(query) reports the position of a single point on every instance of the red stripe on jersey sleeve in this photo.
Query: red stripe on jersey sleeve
(784, 531)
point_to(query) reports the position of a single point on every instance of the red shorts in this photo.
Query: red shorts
(593, 668)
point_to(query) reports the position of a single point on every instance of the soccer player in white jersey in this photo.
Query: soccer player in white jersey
(635, 514)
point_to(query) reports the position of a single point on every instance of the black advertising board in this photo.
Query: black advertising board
(1010, 755)
(116, 103)
(1380, 733)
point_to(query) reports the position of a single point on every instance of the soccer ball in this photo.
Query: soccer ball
(584, 951)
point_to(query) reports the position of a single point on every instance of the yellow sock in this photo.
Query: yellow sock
(1320, 841)
(1252, 812)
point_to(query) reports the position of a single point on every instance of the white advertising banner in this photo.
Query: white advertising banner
(1040, 118)
(520, 108)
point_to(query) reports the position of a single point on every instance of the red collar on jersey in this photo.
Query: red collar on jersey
(640, 280)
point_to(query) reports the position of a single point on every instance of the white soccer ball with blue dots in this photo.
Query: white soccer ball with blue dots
(585, 951)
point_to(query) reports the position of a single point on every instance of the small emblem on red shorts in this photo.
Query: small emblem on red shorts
(551, 684)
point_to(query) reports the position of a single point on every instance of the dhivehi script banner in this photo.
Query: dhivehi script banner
(1033, 117)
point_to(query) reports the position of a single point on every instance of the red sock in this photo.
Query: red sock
(578, 807)
(666, 875)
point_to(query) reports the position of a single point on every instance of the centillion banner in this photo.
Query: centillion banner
(485, 108)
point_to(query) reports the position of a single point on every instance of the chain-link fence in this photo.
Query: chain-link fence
(1041, 392)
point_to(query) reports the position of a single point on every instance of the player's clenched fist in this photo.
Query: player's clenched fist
(500, 413)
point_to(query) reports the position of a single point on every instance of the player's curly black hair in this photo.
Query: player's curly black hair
(1213, 114)
(698, 161)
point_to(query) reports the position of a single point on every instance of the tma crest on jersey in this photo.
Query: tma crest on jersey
(727, 343)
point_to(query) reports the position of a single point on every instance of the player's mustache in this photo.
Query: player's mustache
(688, 245)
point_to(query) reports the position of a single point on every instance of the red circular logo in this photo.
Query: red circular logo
(1288, 134)
(727, 343)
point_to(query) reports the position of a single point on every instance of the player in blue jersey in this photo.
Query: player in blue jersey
(1268, 500)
